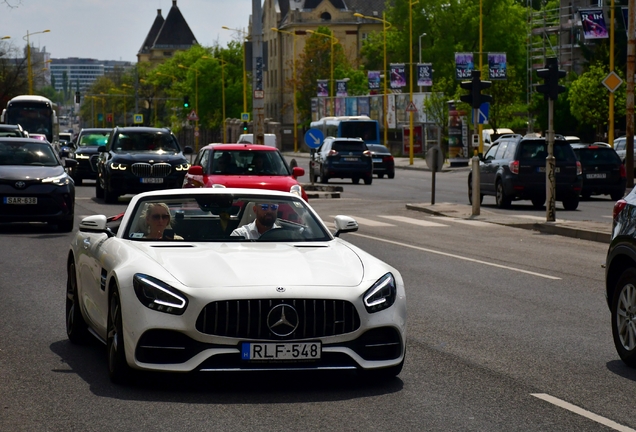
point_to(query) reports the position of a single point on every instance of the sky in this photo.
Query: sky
(113, 29)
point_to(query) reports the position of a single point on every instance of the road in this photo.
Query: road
(508, 330)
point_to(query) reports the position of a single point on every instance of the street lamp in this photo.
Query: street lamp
(385, 26)
(223, 63)
(244, 66)
(29, 71)
(196, 104)
(411, 3)
(334, 41)
(294, 78)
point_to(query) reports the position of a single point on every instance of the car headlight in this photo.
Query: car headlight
(61, 180)
(159, 296)
(381, 295)
(182, 167)
(118, 166)
(82, 156)
(297, 190)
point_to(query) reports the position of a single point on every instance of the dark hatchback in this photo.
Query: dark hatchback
(514, 169)
(383, 161)
(603, 171)
(86, 154)
(139, 159)
(620, 278)
(34, 186)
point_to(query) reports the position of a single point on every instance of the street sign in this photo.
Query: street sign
(259, 94)
(245, 117)
(612, 81)
(193, 115)
(411, 108)
(482, 115)
(138, 118)
(109, 118)
(314, 138)
(100, 117)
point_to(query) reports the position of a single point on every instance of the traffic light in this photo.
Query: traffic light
(186, 101)
(475, 86)
(77, 97)
(244, 127)
(551, 75)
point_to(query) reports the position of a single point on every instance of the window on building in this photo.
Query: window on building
(325, 16)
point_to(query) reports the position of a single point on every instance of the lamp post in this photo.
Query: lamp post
(332, 84)
(223, 63)
(385, 26)
(294, 79)
(196, 104)
(411, 3)
(29, 71)
(244, 66)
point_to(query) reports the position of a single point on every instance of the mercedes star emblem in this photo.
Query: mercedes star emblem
(282, 320)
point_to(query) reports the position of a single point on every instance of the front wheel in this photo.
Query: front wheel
(323, 177)
(99, 190)
(624, 317)
(368, 180)
(502, 200)
(118, 368)
(65, 226)
(76, 327)
(537, 202)
(110, 196)
(571, 203)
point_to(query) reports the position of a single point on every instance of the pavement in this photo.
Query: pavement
(586, 230)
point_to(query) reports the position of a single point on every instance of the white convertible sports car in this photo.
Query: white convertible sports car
(175, 288)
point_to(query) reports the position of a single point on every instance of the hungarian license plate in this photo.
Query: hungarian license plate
(377, 160)
(596, 176)
(542, 169)
(351, 159)
(20, 200)
(151, 180)
(280, 351)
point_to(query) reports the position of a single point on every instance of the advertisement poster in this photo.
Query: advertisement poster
(457, 143)
(497, 66)
(398, 76)
(418, 100)
(374, 80)
(363, 106)
(352, 106)
(463, 65)
(417, 140)
(323, 88)
(593, 23)
(341, 88)
(375, 108)
(401, 102)
(390, 112)
(425, 74)
(340, 107)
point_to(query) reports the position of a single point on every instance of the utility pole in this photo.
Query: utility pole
(258, 102)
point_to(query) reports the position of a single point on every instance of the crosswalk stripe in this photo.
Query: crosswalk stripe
(412, 221)
(363, 221)
(474, 223)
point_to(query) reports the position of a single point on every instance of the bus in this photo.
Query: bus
(36, 114)
(349, 127)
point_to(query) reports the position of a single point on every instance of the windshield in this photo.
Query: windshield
(34, 117)
(93, 139)
(145, 142)
(219, 218)
(248, 162)
(20, 153)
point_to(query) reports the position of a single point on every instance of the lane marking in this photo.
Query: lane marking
(457, 257)
(580, 411)
(413, 221)
(475, 223)
(537, 218)
(369, 222)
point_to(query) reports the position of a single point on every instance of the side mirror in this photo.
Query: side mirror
(298, 171)
(195, 170)
(70, 163)
(95, 224)
(345, 224)
(187, 150)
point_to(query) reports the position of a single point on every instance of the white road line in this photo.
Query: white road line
(412, 221)
(363, 221)
(474, 223)
(457, 257)
(580, 411)
(538, 218)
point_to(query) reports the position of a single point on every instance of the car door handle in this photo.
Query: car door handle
(87, 243)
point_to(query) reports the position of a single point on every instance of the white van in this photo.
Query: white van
(489, 136)
(270, 139)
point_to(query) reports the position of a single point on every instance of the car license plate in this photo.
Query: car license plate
(20, 200)
(377, 160)
(281, 351)
(595, 176)
(542, 169)
(351, 159)
(152, 180)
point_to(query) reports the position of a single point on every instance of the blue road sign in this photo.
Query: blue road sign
(314, 138)
(482, 115)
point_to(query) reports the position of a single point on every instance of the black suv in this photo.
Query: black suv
(603, 170)
(514, 169)
(139, 159)
(343, 158)
(86, 154)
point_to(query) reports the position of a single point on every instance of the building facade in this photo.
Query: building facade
(78, 74)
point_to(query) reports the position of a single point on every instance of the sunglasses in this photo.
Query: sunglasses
(160, 216)
(269, 206)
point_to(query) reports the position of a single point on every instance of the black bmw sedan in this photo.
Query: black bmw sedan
(34, 186)
(139, 159)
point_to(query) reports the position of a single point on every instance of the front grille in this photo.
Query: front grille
(247, 319)
(149, 170)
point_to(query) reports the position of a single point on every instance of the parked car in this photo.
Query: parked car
(269, 139)
(139, 159)
(620, 145)
(383, 161)
(158, 305)
(343, 158)
(86, 145)
(514, 169)
(243, 166)
(34, 186)
(620, 278)
(10, 130)
(489, 136)
(603, 171)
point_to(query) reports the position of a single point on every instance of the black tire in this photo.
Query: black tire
(502, 200)
(99, 191)
(110, 196)
(323, 177)
(76, 327)
(368, 180)
(355, 180)
(380, 175)
(623, 308)
(65, 226)
(617, 195)
(470, 192)
(537, 202)
(118, 369)
(391, 175)
(571, 203)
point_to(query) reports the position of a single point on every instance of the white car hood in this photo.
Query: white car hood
(258, 264)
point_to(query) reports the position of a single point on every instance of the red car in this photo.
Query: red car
(243, 166)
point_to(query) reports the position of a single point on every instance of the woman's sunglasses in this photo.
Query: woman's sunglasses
(160, 216)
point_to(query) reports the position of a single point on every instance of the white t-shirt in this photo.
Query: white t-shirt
(249, 231)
